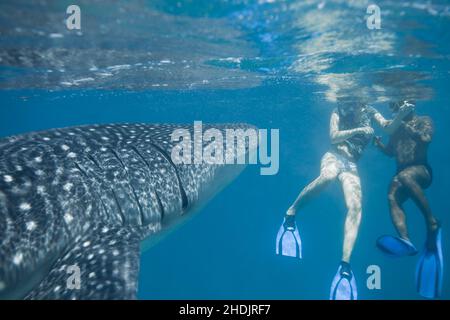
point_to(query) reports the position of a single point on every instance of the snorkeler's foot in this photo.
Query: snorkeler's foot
(288, 242)
(343, 286)
(291, 211)
(396, 246)
(432, 235)
(289, 222)
(433, 225)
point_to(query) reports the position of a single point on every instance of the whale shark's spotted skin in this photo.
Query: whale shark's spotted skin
(87, 196)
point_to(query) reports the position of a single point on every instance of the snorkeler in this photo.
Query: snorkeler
(350, 133)
(409, 145)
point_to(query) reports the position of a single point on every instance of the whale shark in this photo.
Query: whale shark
(90, 199)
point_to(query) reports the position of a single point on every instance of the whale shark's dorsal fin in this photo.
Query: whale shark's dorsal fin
(104, 264)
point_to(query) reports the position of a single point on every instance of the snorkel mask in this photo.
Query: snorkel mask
(349, 108)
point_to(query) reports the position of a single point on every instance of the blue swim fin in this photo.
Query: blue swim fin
(429, 272)
(343, 286)
(395, 246)
(288, 241)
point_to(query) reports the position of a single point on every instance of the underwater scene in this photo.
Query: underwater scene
(224, 149)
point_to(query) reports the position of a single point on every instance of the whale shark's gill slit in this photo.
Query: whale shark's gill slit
(133, 190)
(141, 211)
(118, 158)
(161, 207)
(83, 172)
(141, 156)
(158, 199)
(104, 206)
(184, 198)
(90, 157)
(86, 175)
(122, 215)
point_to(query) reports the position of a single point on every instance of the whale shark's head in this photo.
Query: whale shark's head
(88, 196)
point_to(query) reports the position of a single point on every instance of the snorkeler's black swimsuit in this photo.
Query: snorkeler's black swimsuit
(400, 168)
(409, 151)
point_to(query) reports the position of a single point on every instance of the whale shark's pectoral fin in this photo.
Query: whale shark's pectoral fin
(102, 265)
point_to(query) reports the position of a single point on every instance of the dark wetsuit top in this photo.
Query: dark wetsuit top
(408, 146)
(357, 143)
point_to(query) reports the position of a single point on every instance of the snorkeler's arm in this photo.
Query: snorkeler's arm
(382, 122)
(386, 149)
(390, 126)
(338, 136)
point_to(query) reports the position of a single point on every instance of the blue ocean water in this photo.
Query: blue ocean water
(275, 64)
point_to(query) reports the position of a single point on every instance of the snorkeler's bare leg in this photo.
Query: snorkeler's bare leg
(329, 170)
(415, 179)
(351, 186)
(396, 197)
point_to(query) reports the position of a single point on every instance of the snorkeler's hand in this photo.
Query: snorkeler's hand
(377, 141)
(368, 131)
(387, 150)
